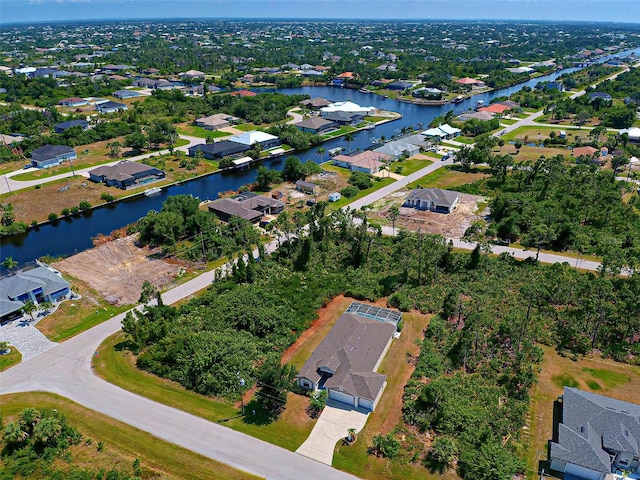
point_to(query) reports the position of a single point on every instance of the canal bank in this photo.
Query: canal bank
(68, 237)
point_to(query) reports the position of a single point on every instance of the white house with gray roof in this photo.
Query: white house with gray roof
(38, 285)
(598, 438)
(434, 199)
(345, 362)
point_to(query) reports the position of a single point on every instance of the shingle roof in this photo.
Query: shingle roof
(71, 124)
(51, 151)
(592, 424)
(349, 352)
(314, 123)
(435, 195)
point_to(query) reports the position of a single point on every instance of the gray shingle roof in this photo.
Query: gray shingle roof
(350, 351)
(594, 425)
(435, 195)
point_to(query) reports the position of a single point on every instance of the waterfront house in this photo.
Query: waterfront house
(248, 206)
(216, 121)
(398, 148)
(126, 174)
(317, 125)
(218, 150)
(51, 155)
(248, 139)
(367, 161)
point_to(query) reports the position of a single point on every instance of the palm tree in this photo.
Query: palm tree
(9, 263)
(29, 308)
(320, 151)
(349, 138)
(352, 435)
(394, 212)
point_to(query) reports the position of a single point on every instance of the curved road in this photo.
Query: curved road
(66, 370)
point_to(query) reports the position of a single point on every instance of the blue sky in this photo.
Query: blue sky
(12, 11)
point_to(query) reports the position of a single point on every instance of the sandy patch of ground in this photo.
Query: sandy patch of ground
(449, 225)
(118, 269)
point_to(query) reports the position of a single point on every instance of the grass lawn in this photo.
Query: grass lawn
(462, 139)
(411, 165)
(346, 201)
(398, 367)
(446, 178)
(375, 119)
(595, 375)
(194, 131)
(538, 133)
(339, 132)
(531, 153)
(122, 443)
(246, 127)
(76, 316)
(508, 121)
(117, 366)
(10, 359)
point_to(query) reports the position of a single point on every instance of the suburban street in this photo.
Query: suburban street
(15, 185)
(65, 369)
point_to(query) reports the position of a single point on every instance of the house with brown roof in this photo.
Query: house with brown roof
(72, 102)
(367, 161)
(243, 93)
(125, 174)
(587, 151)
(345, 362)
(216, 121)
(317, 125)
(248, 206)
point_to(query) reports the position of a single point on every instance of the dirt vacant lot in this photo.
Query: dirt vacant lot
(118, 269)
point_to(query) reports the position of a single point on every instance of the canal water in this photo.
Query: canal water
(71, 235)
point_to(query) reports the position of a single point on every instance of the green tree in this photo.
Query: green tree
(320, 151)
(114, 149)
(349, 137)
(266, 177)
(29, 307)
(394, 213)
(9, 263)
(8, 215)
(293, 169)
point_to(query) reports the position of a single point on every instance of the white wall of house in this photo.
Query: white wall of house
(342, 397)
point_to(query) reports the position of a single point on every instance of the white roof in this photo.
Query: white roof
(441, 131)
(249, 138)
(347, 107)
(633, 132)
(242, 161)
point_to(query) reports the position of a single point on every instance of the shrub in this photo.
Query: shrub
(385, 445)
(349, 192)
(84, 205)
(361, 180)
(65, 212)
(107, 197)
(38, 186)
(52, 217)
(75, 210)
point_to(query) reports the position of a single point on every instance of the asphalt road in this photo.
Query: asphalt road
(16, 185)
(66, 370)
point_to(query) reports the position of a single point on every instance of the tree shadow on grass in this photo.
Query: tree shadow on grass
(125, 345)
(260, 412)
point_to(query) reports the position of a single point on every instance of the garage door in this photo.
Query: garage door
(364, 403)
(342, 397)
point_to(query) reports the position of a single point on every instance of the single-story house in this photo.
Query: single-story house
(51, 155)
(344, 118)
(367, 161)
(62, 126)
(596, 437)
(496, 108)
(125, 174)
(72, 102)
(584, 151)
(334, 197)
(433, 199)
(399, 85)
(243, 93)
(306, 187)
(110, 107)
(345, 362)
(398, 148)
(633, 134)
(265, 140)
(193, 74)
(602, 95)
(427, 92)
(317, 125)
(471, 82)
(218, 150)
(552, 86)
(442, 131)
(247, 205)
(145, 83)
(122, 94)
(482, 116)
(418, 140)
(316, 103)
(349, 107)
(217, 121)
(38, 285)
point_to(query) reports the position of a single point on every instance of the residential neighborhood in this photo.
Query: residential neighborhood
(331, 245)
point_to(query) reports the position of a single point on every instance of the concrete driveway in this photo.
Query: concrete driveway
(332, 426)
